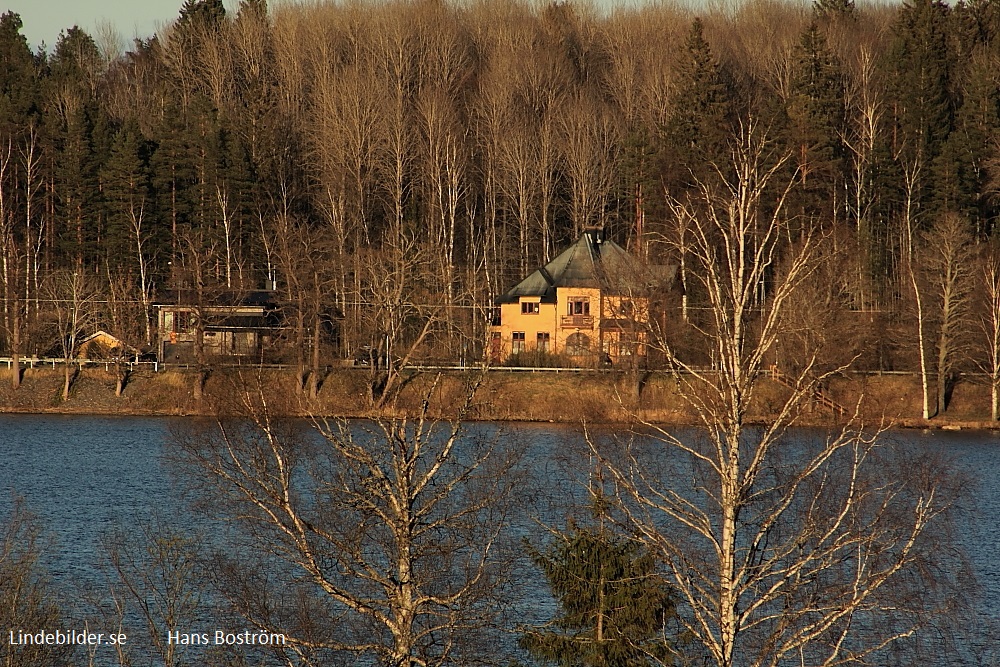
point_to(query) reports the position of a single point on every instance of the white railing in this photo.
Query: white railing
(42, 362)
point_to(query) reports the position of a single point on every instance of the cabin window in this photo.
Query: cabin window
(529, 307)
(183, 322)
(579, 306)
(517, 342)
(542, 341)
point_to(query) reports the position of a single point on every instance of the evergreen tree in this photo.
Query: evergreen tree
(816, 114)
(700, 121)
(613, 604)
(173, 176)
(922, 64)
(834, 9)
(960, 170)
(201, 14)
(127, 201)
(18, 76)
(75, 188)
(70, 106)
(252, 10)
(75, 60)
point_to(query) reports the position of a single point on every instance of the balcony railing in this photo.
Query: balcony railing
(578, 322)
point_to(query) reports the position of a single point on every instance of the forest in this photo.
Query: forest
(394, 166)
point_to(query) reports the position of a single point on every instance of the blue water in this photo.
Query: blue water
(83, 476)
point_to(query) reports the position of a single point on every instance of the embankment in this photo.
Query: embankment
(542, 396)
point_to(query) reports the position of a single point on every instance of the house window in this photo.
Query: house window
(542, 344)
(626, 344)
(517, 343)
(529, 307)
(577, 344)
(579, 306)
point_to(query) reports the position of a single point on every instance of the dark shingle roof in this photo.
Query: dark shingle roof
(592, 261)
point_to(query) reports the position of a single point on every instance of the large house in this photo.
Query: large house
(590, 304)
(234, 325)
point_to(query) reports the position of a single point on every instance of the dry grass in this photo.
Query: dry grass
(558, 397)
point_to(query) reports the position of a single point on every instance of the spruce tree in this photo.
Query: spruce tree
(173, 176)
(127, 200)
(834, 9)
(613, 603)
(70, 104)
(960, 170)
(816, 115)
(18, 76)
(201, 14)
(75, 187)
(252, 9)
(922, 64)
(699, 125)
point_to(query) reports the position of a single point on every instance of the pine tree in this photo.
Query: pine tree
(613, 604)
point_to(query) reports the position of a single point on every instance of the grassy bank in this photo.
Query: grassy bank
(558, 397)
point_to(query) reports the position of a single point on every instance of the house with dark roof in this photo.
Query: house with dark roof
(590, 303)
(232, 324)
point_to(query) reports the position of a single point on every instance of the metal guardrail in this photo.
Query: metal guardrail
(155, 366)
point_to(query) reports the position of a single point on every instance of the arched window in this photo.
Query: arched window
(577, 344)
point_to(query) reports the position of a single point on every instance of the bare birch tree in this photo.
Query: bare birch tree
(73, 298)
(945, 261)
(27, 601)
(386, 538)
(781, 548)
(153, 573)
(589, 146)
(10, 262)
(126, 319)
(989, 322)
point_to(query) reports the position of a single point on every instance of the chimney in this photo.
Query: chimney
(595, 235)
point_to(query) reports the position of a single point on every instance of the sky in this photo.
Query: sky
(44, 19)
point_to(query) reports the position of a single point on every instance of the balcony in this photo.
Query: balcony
(578, 322)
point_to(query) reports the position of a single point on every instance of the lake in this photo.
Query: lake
(84, 475)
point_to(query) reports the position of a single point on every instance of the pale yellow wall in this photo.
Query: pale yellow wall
(553, 318)
(511, 320)
(563, 297)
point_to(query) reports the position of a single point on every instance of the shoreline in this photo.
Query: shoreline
(538, 397)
